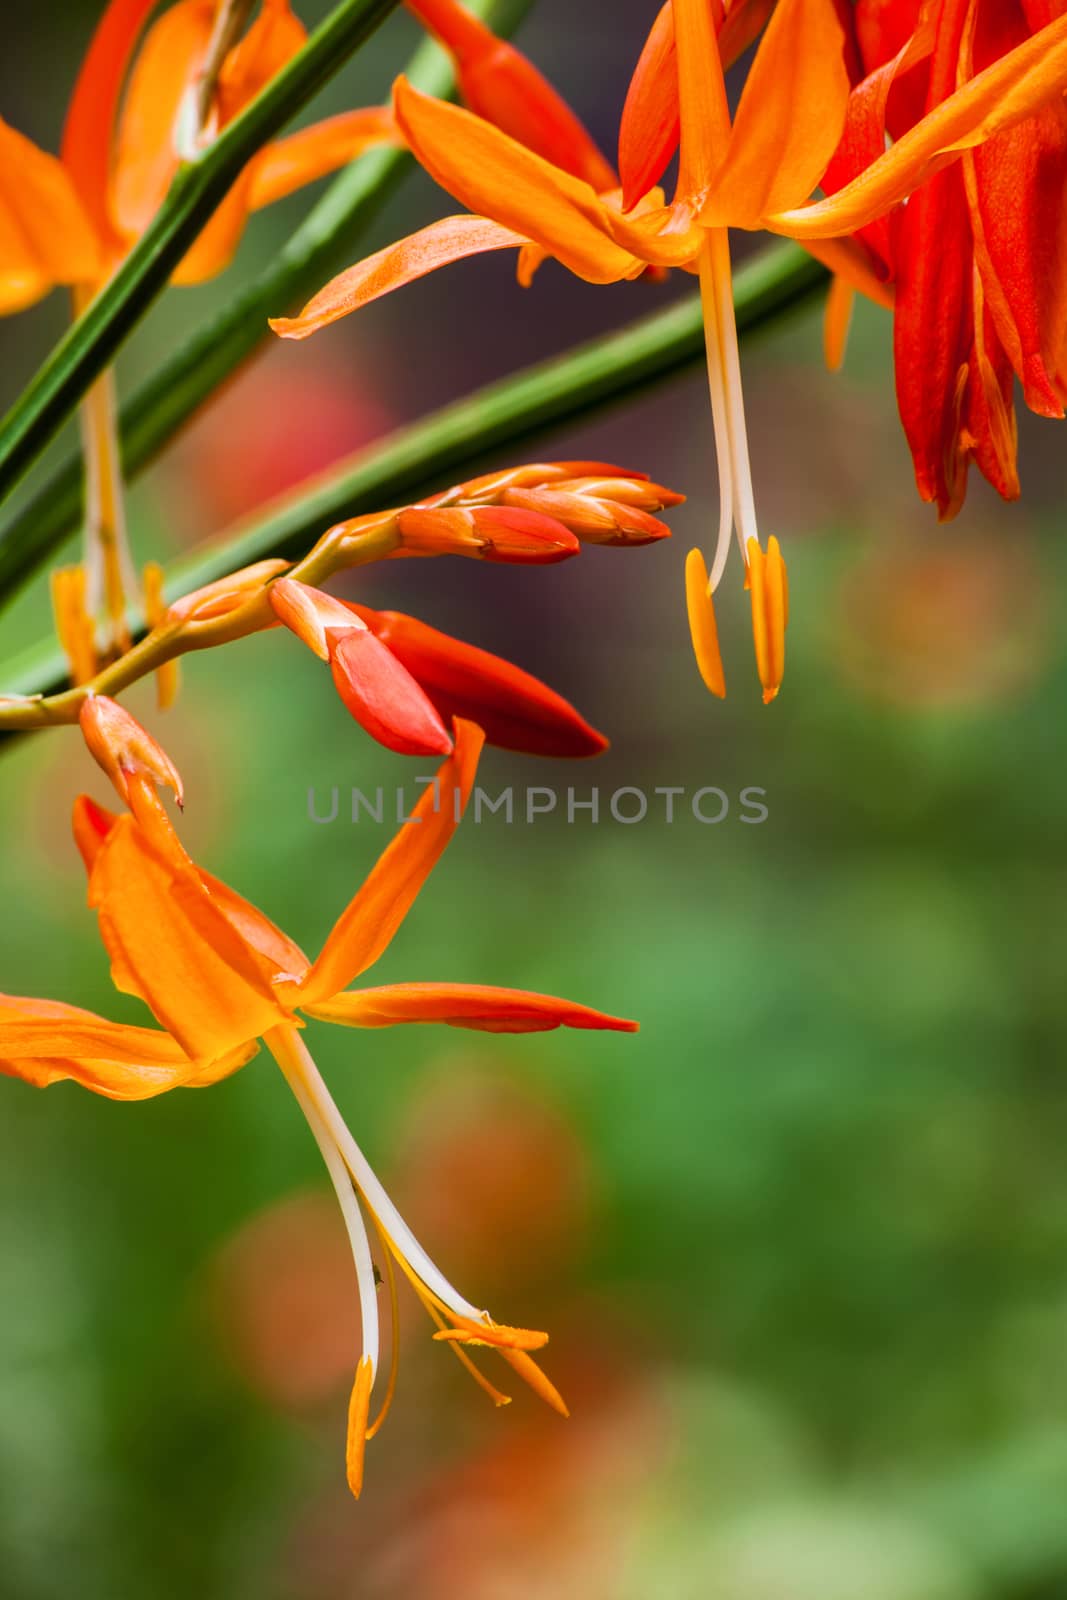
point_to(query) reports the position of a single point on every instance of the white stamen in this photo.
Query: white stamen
(719, 415)
(346, 1196)
(744, 500)
(371, 1190)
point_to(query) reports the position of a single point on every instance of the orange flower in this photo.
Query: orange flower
(218, 976)
(73, 218)
(754, 171)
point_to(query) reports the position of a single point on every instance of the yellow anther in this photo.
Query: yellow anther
(358, 1411)
(74, 625)
(767, 583)
(702, 626)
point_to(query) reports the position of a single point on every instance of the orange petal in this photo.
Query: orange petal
(497, 177)
(502, 85)
(837, 319)
(45, 1041)
(273, 40)
(45, 236)
(451, 239)
(463, 1005)
(704, 112)
(145, 158)
(790, 118)
(998, 98)
(91, 115)
(369, 921)
(216, 245)
(648, 131)
(175, 948)
(289, 164)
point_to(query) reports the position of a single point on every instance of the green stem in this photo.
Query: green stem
(321, 245)
(197, 190)
(459, 437)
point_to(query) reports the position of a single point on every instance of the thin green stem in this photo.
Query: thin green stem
(459, 437)
(200, 185)
(321, 245)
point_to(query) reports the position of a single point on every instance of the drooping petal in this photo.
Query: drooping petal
(289, 164)
(46, 1041)
(790, 117)
(514, 709)
(92, 112)
(1017, 200)
(175, 948)
(45, 236)
(462, 1005)
(502, 85)
(1000, 97)
(438, 245)
(369, 921)
(495, 176)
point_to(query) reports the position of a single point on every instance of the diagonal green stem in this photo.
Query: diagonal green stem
(319, 247)
(460, 436)
(197, 190)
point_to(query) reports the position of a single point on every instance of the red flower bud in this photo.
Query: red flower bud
(515, 710)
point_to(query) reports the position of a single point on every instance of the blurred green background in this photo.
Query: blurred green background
(802, 1243)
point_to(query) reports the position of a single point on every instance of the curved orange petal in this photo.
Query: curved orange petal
(502, 85)
(175, 947)
(790, 117)
(1010, 90)
(45, 1041)
(495, 176)
(450, 239)
(288, 164)
(648, 131)
(371, 918)
(273, 39)
(92, 112)
(145, 159)
(45, 236)
(462, 1005)
(216, 245)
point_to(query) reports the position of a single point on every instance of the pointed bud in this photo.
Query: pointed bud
(228, 594)
(515, 710)
(486, 532)
(594, 519)
(376, 687)
(125, 750)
